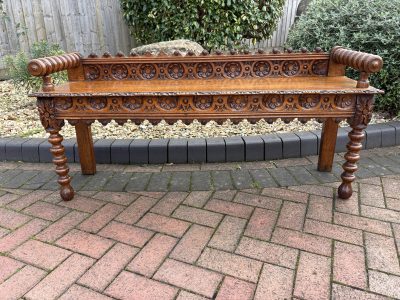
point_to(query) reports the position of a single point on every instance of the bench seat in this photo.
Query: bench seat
(297, 85)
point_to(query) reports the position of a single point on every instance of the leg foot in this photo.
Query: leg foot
(345, 191)
(67, 193)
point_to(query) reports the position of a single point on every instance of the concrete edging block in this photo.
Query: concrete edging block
(290, 145)
(158, 151)
(139, 151)
(216, 150)
(198, 150)
(178, 151)
(234, 149)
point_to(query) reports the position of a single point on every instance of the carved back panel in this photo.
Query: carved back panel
(191, 67)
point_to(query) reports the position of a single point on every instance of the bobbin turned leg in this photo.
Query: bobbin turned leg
(60, 160)
(360, 120)
(48, 118)
(352, 156)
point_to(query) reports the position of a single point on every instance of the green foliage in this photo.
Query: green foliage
(212, 23)
(369, 26)
(17, 66)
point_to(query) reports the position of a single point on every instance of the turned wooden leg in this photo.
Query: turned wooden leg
(85, 147)
(60, 160)
(327, 147)
(352, 156)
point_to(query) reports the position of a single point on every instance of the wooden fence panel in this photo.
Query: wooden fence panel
(76, 25)
(87, 26)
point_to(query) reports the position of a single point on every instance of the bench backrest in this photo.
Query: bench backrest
(201, 67)
(189, 67)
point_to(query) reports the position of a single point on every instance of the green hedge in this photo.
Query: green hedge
(369, 26)
(17, 65)
(214, 24)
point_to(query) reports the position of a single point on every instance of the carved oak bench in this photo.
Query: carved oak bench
(217, 87)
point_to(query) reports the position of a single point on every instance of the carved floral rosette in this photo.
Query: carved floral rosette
(47, 112)
(206, 69)
(363, 111)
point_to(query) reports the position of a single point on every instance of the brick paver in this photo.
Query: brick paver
(40, 254)
(255, 242)
(152, 255)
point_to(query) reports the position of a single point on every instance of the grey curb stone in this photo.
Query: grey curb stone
(158, 151)
(102, 151)
(373, 137)
(216, 150)
(388, 135)
(139, 151)
(342, 140)
(178, 151)
(44, 152)
(290, 145)
(30, 150)
(234, 149)
(396, 126)
(120, 151)
(272, 147)
(254, 148)
(308, 143)
(70, 148)
(3, 143)
(318, 135)
(198, 150)
(14, 149)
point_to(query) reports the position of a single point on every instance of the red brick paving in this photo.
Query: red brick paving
(106, 268)
(82, 242)
(278, 243)
(228, 234)
(313, 277)
(349, 265)
(40, 254)
(189, 277)
(235, 289)
(192, 244)
(275, 283)
(152, 255)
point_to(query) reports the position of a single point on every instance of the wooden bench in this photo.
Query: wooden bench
(217, 87)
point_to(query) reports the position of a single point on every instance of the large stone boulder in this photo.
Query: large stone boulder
(302, 7)
(183, 46)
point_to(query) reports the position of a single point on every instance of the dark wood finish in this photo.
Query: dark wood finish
(85, 148)
(53, 126)
(364, 62)
(217, 87)
(328, 143)
(360, 120)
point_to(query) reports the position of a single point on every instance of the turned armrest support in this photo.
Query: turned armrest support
(45, 66)
(364, 62)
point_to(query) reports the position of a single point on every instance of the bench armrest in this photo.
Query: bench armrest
(43, 67)
(364, 62)
(48, 65)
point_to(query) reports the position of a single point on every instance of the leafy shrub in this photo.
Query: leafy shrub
(212, 23)
(369, 26)
(17, 66)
